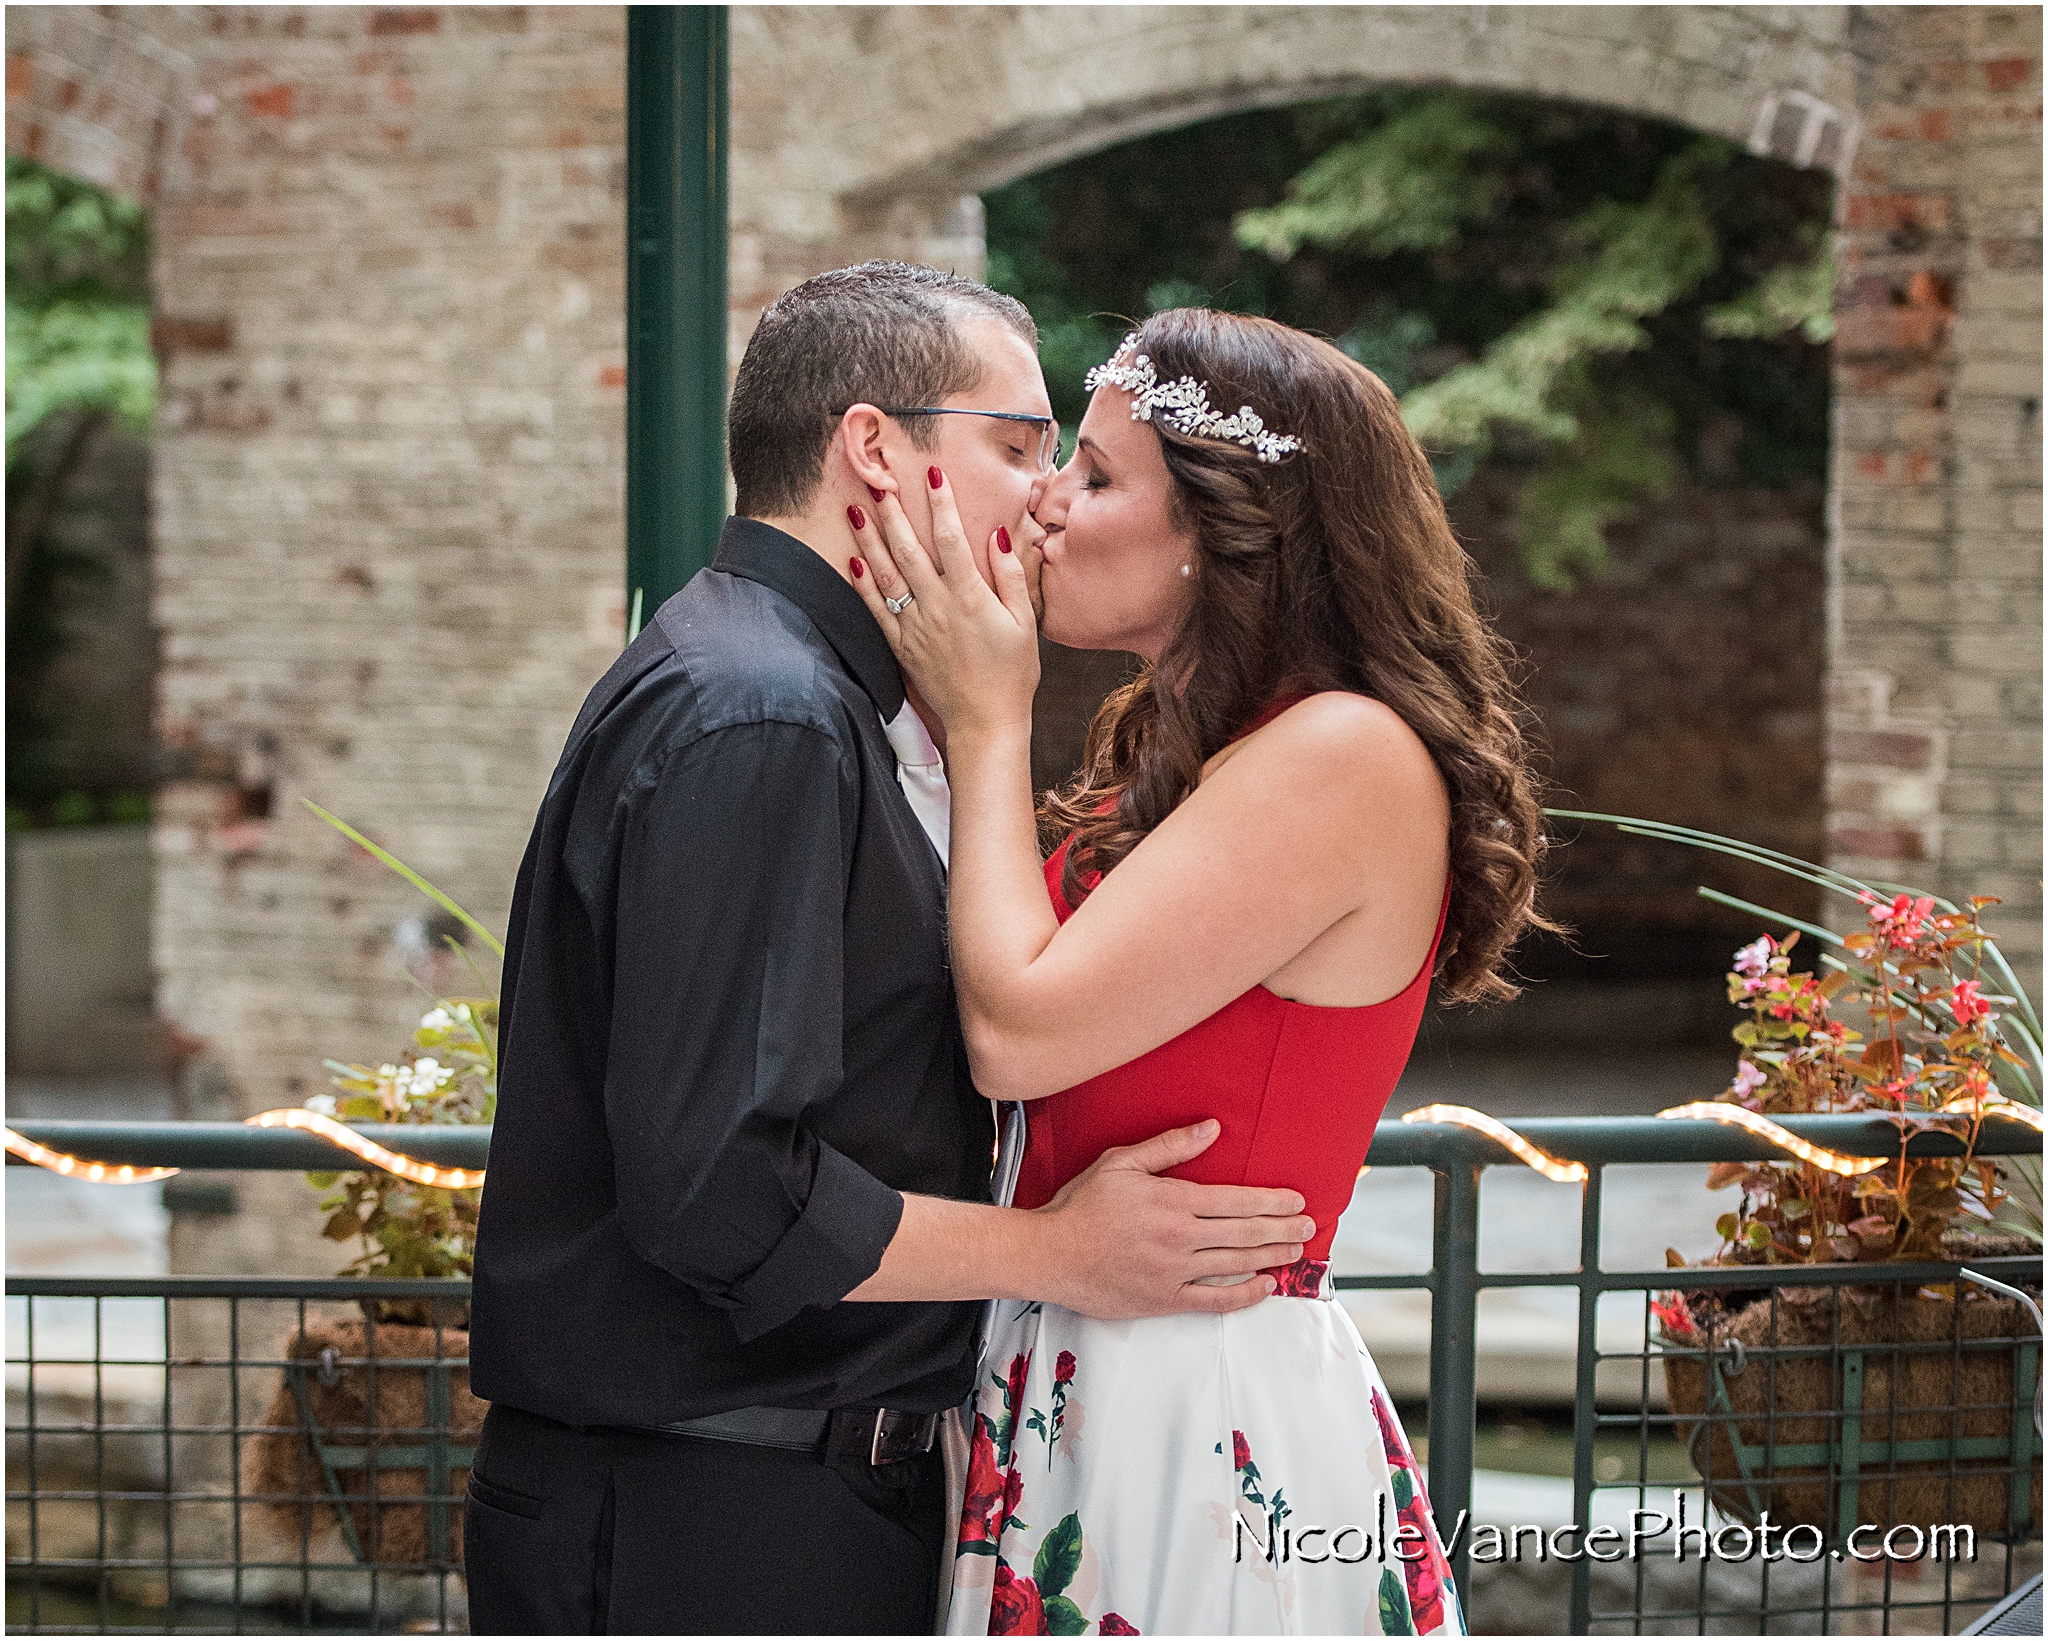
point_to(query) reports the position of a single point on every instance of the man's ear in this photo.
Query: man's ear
(863, 437)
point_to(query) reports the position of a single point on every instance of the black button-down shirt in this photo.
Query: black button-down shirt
(730, 1039)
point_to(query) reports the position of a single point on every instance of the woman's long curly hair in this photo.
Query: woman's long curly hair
(1333, 569)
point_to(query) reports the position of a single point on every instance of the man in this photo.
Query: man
(738, 1206)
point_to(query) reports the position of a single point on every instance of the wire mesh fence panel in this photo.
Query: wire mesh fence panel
(1860, 1449)
(227, 1457)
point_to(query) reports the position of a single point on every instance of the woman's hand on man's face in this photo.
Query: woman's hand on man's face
(972, 652)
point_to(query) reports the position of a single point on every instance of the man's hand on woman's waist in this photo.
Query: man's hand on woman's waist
(1118, 1241)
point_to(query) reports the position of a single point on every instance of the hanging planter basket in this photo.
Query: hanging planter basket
(372, 1428)
(1880, 1407)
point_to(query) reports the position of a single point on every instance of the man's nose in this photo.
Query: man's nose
(1048, 502)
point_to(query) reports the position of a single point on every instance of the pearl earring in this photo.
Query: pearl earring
(1185, 570)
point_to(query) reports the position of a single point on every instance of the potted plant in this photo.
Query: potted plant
(1871, 1400)
(448, 1075)
(373, 1424)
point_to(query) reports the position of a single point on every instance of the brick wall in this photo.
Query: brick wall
(1934, 747)
(389, 503)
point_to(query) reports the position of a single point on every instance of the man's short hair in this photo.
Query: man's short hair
(881, 333)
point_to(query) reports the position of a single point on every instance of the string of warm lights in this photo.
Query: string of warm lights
(1995, 1105)
(1565, 1173)
(2000, 1106)
(1764, 1128)
(100, 1173)
(392, 1162)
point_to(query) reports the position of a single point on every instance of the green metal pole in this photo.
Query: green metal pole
(1453, 1360)
(675, 296)
(1585, 1406)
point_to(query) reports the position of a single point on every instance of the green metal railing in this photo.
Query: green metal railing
(1855, 1454)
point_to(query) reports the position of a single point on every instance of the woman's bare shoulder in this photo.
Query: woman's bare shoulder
(1343, 733)
(1337, 761)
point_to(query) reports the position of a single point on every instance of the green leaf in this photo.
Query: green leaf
(1395, 1618)
(1404, 1489)
(81, 355)
(2015, 1227)
(1062, 1617)
(1059, 1556)
(1621, 458)
(408, 874)
(1795, 296)
(1410, 184)
(322, 1181)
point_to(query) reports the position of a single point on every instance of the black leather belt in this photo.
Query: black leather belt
(870, 1435)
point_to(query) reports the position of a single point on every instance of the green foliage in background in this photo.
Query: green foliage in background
(1570, 294)
(78, 362)
(77, 304)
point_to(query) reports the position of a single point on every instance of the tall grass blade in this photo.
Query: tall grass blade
(407, 873)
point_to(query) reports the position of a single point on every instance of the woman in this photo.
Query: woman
(1312, 798)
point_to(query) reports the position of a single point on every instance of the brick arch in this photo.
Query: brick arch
(874, 126)
(98, 96)
(1735, 72)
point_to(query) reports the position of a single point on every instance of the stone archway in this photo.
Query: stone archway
(98, 97)
(867, 132)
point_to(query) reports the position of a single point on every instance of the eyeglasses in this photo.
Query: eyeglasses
(1048, 429)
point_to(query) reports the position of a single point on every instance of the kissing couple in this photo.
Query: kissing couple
(770, 1345)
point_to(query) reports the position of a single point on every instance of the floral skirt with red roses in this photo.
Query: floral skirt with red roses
(1193, 1475)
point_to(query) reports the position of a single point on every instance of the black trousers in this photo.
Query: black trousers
(625, 1532)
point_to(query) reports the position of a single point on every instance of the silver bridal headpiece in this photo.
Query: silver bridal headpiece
(1184, 405)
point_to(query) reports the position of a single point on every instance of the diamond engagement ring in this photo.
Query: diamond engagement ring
(898, 605)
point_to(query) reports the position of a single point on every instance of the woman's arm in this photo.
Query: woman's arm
(1333, 811)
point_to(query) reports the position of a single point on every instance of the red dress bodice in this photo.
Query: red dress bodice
(1298, 1089)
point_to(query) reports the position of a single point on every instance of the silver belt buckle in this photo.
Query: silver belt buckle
(899, 1436)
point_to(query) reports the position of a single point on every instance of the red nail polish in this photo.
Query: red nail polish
(934, 478)
(856, 518)
(1003, 537)
(875, 493)
(859, 569)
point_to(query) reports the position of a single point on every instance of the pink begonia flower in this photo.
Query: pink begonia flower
(1748, 1079)
(1900, 921)
(1756, 957)
(1965, 1003)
